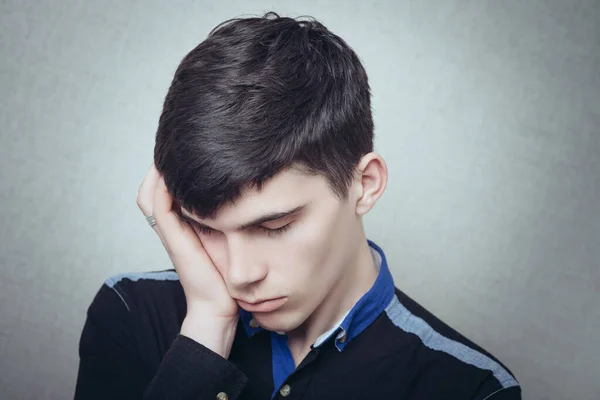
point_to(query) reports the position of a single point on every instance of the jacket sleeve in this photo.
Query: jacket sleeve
(492, 390)
(110, 365)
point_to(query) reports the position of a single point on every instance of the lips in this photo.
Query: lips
(263, 306)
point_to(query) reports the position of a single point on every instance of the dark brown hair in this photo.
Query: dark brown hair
(257, 96)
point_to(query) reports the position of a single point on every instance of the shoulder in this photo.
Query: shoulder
(140, 301)
(131, 323)
(136, 288)
(443, 354)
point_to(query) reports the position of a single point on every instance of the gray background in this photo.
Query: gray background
(488, 114)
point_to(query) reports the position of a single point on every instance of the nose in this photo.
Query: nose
(245, 265)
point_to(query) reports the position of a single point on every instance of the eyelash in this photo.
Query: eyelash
(269, 232)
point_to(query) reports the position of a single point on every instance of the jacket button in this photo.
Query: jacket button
(253, 323)
(222, 396)
(285, 390)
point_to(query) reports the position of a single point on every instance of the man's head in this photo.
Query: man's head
(269, 115)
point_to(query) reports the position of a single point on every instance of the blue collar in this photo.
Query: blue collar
(357, 319)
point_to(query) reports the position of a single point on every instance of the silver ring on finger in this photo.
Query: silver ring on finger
(150, 219)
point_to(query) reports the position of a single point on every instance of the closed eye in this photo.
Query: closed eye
(276, 231)
(202, 229)
(271, 232)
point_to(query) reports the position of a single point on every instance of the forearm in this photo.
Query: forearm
(196, 365)
(111, 365)
(190, 370)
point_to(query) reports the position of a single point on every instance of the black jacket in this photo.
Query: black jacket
(131, 349)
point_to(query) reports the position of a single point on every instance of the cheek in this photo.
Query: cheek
(307, 252)
(330, 243)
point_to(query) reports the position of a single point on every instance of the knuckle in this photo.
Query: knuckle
(142, 205)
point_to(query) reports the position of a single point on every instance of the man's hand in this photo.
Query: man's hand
(212, 314)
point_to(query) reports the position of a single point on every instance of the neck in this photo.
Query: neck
(356, 281)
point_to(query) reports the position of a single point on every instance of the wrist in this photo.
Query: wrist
(214, 332)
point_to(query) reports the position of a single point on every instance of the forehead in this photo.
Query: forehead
(286, 190)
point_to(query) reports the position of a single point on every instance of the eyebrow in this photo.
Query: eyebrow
(249, 225)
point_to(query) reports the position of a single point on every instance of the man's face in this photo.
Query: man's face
(299, 256)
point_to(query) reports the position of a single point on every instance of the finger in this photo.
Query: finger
(162, 199)
(145, 199)
(177, 235)
(146, 190)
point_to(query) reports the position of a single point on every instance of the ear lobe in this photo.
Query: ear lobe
(363, 207)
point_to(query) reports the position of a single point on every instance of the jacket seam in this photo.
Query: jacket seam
(116, 290)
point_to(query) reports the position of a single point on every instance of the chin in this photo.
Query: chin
(279, 322)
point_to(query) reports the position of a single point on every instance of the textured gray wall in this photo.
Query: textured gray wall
(488, 114)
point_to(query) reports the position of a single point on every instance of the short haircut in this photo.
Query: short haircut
(260, 95)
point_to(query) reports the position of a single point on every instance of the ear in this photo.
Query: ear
(372, 177)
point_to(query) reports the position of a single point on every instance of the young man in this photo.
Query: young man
(263, 169)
